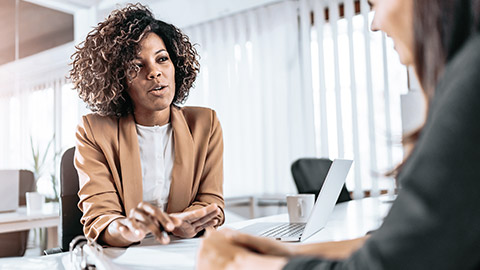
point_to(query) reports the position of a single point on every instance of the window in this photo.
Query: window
(357, 81)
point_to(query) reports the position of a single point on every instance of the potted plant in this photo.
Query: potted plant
(40, 163)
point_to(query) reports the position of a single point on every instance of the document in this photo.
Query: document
(180, 254)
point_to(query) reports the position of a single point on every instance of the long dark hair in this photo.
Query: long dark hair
(441, 28)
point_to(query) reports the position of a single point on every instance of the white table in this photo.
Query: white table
(20, 220)
(349, 220)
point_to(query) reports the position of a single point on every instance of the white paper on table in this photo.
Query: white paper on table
(179, 254)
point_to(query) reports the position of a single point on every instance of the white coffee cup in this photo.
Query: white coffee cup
(35, 202)
(299, 207)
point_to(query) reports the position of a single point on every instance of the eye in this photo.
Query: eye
(162, 59)
(138, 65)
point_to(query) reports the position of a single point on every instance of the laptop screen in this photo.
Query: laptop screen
(328, 196)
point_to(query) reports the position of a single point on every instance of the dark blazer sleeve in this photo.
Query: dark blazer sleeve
(435, 221)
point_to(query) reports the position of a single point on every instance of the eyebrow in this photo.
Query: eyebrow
(157, 52)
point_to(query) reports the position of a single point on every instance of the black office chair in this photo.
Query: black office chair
(70, 214)
(309, 175)
(15, 243)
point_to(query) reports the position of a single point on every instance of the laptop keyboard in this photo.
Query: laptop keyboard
(285, 230)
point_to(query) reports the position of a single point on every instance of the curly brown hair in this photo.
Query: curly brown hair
(103, 63)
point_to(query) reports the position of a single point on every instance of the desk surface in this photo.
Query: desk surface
(21, 220)
(348, 220)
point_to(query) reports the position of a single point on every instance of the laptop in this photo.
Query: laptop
(297, 232)
(9, 182)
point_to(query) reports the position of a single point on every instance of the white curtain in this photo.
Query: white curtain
(36, 108)
(251, 75)
(357, 82)
(287, 82)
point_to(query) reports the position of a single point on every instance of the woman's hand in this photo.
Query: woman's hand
(143, 219)
(329, 250)
(192, 222)
(260, 245)
(218, 250)
(146, 218)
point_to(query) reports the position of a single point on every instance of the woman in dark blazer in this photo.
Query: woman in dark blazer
(435, 221)
(138, 145)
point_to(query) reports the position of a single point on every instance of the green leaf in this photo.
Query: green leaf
(46, 151)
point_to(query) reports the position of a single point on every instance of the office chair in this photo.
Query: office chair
(70, 214)
(15, 243)
(309, 175)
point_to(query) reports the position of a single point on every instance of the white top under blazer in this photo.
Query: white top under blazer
(156, 157)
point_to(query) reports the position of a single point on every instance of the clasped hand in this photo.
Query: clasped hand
(146, 218)
(228, 249)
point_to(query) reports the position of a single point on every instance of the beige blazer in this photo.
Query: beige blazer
(107, 159)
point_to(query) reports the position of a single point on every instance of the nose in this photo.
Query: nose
(154, 73)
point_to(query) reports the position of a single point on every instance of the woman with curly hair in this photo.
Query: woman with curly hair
(145, 164)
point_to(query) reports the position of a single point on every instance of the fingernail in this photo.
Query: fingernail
(137, 232)
(164, 235)
(170, 226)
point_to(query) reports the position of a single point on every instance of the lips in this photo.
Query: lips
(158, 90)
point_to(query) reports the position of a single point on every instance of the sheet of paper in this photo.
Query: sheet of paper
(178, 255)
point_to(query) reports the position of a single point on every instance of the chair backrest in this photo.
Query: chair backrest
(27, 184)
(310, 173)
(70, 214)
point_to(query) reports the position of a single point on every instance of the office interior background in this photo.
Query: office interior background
(287, 78)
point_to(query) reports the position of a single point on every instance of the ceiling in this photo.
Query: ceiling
(45, 24)
(35, 33)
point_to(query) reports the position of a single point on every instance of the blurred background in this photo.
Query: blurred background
(288, 79)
